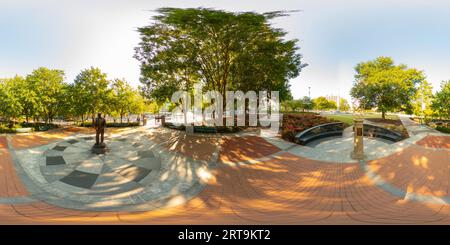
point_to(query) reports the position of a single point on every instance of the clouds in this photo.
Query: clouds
(334, 36)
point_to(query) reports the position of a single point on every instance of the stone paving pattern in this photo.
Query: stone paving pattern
(406, 183)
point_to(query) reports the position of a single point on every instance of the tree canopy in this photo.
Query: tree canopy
(383, 85)
(441, 101)
(44, 95)
(322, 103)
(422, 99)
(223, 50)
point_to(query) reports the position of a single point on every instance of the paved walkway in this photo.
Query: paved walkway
(161, 176)
(415, 128)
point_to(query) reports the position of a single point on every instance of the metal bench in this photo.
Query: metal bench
(380, 132)
(320, 131)
(205, 129)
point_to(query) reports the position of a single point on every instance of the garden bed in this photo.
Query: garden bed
(293, 124)
(26, 127)
(443, 129)
(38, 126)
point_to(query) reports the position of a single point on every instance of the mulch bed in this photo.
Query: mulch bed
(386, 121)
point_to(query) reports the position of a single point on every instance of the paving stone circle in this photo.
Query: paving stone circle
(72, 163)
(134, 174)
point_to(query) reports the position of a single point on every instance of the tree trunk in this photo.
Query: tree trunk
(383, 114)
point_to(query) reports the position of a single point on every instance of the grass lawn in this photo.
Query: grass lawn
(348, 118)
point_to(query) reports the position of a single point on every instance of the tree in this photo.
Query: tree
(92, 93)
(343, 105)
(10, 106)
(123, 97)
(224, 50)
(388, 87)
(26, 94)
(137, 105)
(322, 103)
(48, 86)
(422, 99)
(441, 101)
(292, 105)
(307, 103)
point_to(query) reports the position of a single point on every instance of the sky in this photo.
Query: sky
(334, 36)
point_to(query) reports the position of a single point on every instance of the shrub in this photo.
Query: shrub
(295, 123)
(38, 126)
(5, 129)
(112, 124)
(443, 129)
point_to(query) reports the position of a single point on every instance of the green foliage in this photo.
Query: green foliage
(302, 104)
(443, 129)
(225, 50)
(10, 104)
(123, 97)
(388, 87)
(45, 95)
(322, 103)
(6, 129)
(91, 93)
(47, 88)
(422, 100)
(153, 107)
(343, 105)
(38, 126)
(441, 101)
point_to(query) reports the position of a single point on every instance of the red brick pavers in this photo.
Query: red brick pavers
(10, 183)
(3, 142)
(236, 149)
(417, 169)
(282, 189)
(196, 147)
(435, 142)
(22, 141)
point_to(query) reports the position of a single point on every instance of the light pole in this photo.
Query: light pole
(309, 92)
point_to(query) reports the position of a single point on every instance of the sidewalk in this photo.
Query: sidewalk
(415, 128)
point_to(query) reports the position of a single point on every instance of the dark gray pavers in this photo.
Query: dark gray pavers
(54, 160)
(80, 179)
(53, 173)
(72, 141)
(59, 148)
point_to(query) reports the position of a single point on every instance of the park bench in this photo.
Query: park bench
(383, 133)
(205, 129)
(320, 131)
